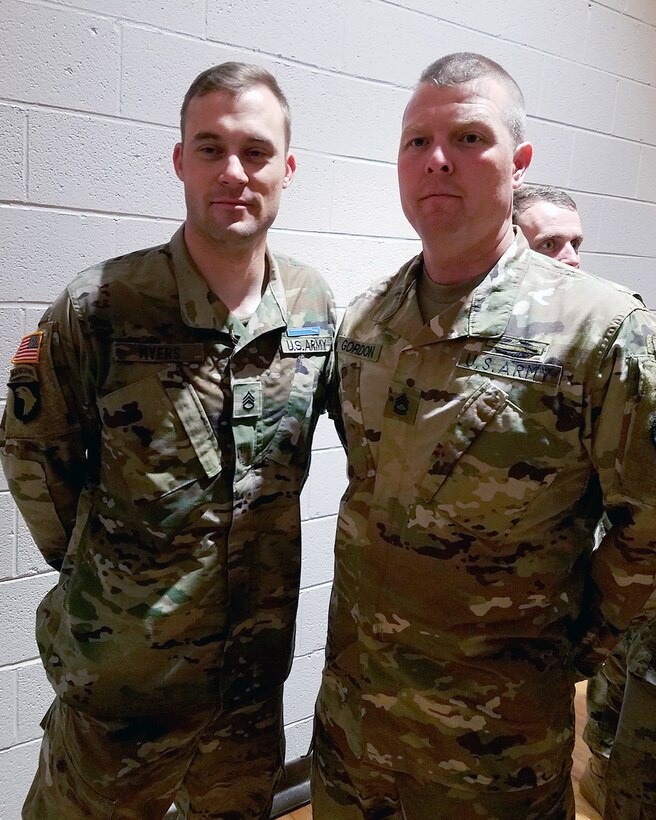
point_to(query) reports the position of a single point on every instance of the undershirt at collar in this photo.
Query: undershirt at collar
(434, 297)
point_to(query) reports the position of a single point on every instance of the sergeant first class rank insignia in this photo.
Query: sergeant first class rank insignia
(305, 340)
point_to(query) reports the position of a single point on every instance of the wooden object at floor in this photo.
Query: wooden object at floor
(300, 814)
(583, 809)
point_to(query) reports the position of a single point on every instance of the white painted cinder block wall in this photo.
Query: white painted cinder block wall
(89, 99)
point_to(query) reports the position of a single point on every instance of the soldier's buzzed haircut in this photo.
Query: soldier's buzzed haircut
(464, 66)
(527, 195)
(236, 78)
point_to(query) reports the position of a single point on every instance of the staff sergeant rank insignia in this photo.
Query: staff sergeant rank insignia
(247, 399)
(24, 385)
(248, 402)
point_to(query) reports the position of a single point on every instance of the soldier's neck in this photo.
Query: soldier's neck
(236, 273)
(454, 263)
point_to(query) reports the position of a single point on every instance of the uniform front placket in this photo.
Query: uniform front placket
(248, 408)
(401, 452)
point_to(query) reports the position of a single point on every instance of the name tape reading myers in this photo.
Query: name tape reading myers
(146, 352)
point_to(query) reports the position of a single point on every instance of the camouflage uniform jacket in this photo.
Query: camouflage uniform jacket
(482, 447)
(159, 467)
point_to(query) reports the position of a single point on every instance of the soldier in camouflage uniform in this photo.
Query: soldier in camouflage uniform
(621, 774)
(156, 440)
(495, 403)
(620, 777)
(550, 222)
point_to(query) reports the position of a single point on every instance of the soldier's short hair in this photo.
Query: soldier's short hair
(236, 78)
(527, 195)
(464, 66)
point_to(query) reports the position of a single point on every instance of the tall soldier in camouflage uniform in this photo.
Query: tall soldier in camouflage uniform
(156, 440)
(495, 403)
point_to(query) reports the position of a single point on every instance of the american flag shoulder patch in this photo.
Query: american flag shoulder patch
(29, 350)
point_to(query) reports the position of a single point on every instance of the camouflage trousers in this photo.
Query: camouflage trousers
(343, 788)
(214, 764)
(621, 727)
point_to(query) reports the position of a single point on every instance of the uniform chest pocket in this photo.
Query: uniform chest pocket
(156, 436)
(490, 466)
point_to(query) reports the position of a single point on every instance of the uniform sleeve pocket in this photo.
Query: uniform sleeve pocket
(156, 434)
(293, 434)
(637, 450)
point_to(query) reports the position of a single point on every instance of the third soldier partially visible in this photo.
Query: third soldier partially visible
(620, 776)
(550, 221)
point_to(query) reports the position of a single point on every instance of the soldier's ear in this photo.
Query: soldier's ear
(177, 159)
(522, 157)
(290, 171)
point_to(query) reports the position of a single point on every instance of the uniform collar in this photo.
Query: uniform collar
(201, 308)
(484, 312)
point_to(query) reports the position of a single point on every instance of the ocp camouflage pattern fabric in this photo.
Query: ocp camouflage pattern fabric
(483, 448)
(161, 474)
(621, 726)
(214, 764)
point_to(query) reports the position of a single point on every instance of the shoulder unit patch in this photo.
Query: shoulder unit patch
(26, 390)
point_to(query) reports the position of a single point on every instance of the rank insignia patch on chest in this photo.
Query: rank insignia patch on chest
(26, 392)
(29, 350)
(402, 403)
(248, 401)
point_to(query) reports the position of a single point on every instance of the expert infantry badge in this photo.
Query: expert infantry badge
(24, 384)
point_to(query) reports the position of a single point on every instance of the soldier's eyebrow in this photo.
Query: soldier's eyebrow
(474, 121)
(554, 235)
(205, 135)
(257, 139)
